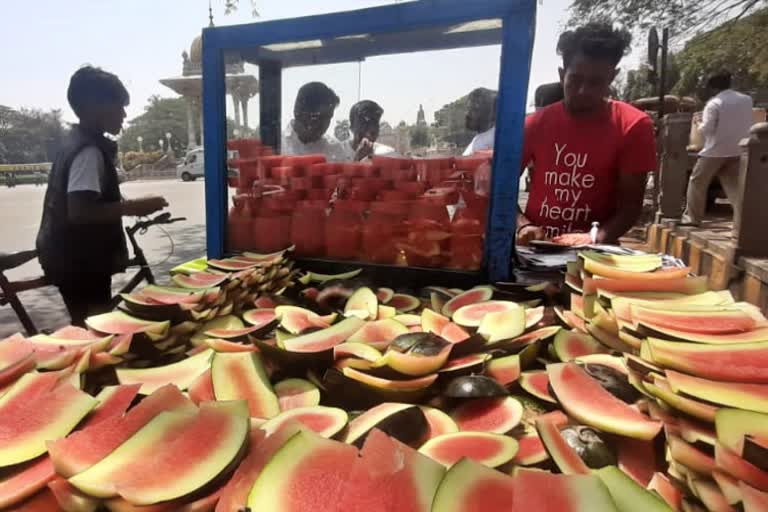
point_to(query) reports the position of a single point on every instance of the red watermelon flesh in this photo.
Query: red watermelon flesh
(200, 280)
(23, 483)
(472, 296)
(173, 455)
(470, 487)
(69, 498)
(495, 415)
(25, 427)
(390, 476)
(439, 422)
(234, 496)
(586, 400)
(637, 459)
(667, 490)
(453, 333)
(530, 451)
(711, 322)
(16, 358)
(229, 346)
(492, 450)
(259, 317)
(307, 473)
(118, 322)
(204, 504)
(293, 393)
(242, 376)
(28, 387)
(43, 501)
(113, 401)
(752, 499)
(120, 344)
(537, 383)
(72, 332)
(85, 448)
(201, 390)
(540, 491)
(740, 469)
(211, 441)
(744, 362)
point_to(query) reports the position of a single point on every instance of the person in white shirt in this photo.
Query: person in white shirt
(312, 114)
(726, 120)
(481, 118)
(364, 122)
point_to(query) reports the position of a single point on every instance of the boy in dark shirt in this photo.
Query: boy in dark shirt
(81, 241)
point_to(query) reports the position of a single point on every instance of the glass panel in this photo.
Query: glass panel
(371, 163)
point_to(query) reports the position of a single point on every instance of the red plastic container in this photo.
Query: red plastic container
(412, 188)
(304, 161)
(301, 183)
(317, 194)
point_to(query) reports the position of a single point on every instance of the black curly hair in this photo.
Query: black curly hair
(92, 85)
(595, 40)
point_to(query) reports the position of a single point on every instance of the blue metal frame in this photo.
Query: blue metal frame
(518, 18)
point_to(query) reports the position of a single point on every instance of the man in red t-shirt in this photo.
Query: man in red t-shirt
(589, 154)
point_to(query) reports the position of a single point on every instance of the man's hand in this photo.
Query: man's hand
(144, 206)
(528, 233)
(364, 150)
(573, 239)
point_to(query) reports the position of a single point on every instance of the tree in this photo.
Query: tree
(29, 135)
(740, 46)
(450, 123)
(685, 16)
(636, 83)
(161, 116)
(420, 137)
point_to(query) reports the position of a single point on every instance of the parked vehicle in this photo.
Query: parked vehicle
(193, 166)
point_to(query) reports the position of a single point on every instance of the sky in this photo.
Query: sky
(45, 41)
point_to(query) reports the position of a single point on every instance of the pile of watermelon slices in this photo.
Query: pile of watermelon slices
(700, 361)
(246, 383)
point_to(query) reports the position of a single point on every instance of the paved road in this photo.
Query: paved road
(20, 210)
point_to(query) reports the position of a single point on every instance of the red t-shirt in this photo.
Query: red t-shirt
(576, 163)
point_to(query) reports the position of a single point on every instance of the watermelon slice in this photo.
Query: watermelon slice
(293, 393)
(689, 456)
(260, 317)
(16, 358)
(199, 280)
(43, 501)
(728, 485)
(84, 448)
(242, 376)
(667, 490)
(627, 494)
(710, 495)
(175, 296)
(687, 285)
(390, 476)
(470, 487)
(531, 451)
(495, 415)
(25, 425)
(439, 422)
(118, 322)
(536, 382)
(113, 401)
(566, 458)
(201, 390)
(753, 397)
(234, 496)
(29, 386)
(708, 321)
(473, 296)
(325, 339)
(308, 473)
(740, 469)
(586, 400)
(183, 373)
(70, 499)
(491, 450)
(544, 492)
(323, 421)
(637, 459)
(26, 481)
(606, 270)
(753, 336)
(208, 441)
(745, 362)
(753, 500)
(569, 345)
(660, 389)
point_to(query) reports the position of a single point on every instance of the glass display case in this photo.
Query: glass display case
(406, 207)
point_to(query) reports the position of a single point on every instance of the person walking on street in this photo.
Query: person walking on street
(81, 242)
(726, 120)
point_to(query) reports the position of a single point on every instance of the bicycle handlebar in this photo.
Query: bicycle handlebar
(163, 218)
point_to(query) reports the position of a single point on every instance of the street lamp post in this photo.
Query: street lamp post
(168, 136)
(140, 140)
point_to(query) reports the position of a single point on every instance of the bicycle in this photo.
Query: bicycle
(9, 290)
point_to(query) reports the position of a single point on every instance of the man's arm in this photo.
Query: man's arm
(709, 119)
(84, 207)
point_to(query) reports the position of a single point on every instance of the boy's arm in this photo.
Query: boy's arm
(84, 192)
